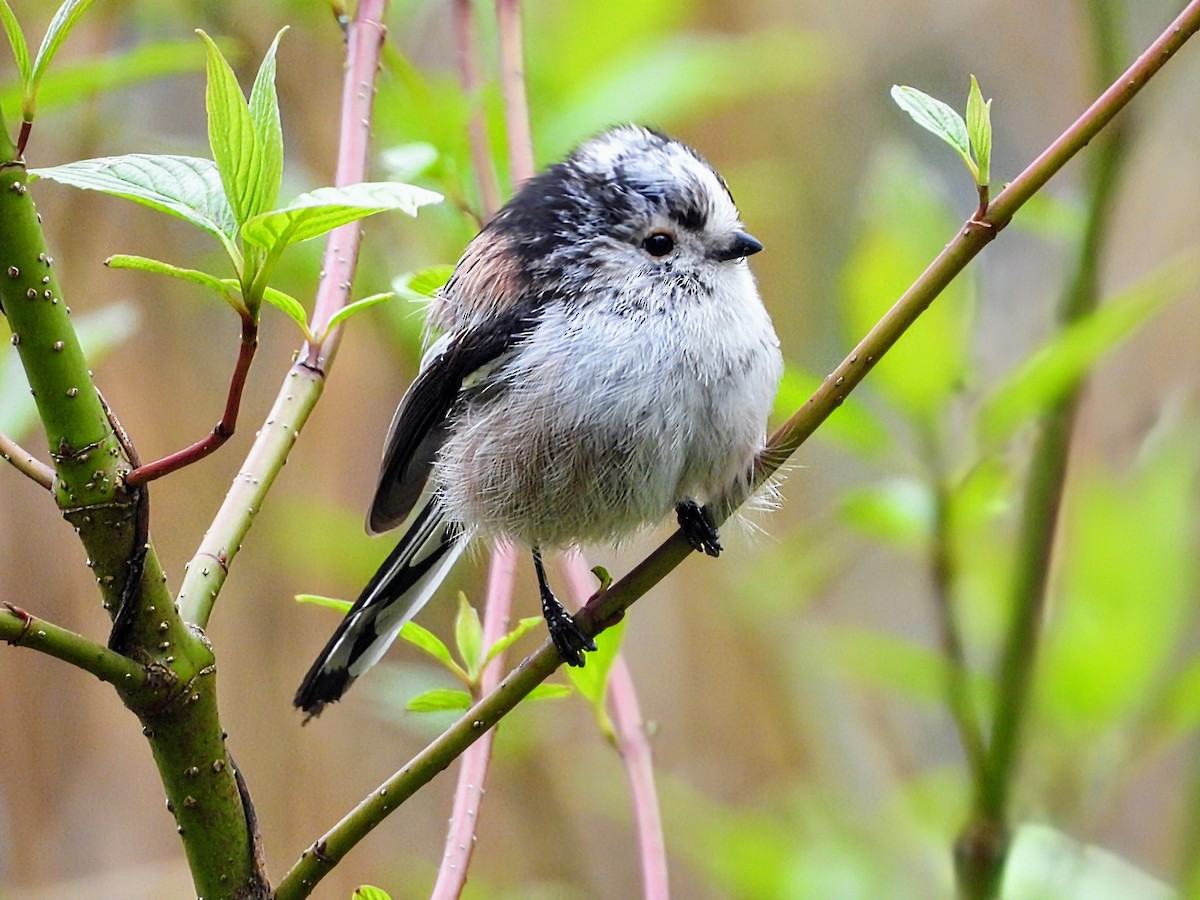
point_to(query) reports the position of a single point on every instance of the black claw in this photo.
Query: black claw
(568, 639)
(699, 531)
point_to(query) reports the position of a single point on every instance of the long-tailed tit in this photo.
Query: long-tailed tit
(604, 359)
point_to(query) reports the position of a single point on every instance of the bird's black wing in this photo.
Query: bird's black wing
(419, 427)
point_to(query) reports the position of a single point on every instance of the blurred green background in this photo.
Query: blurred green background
(802, 736)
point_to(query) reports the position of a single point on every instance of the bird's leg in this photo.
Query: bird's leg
(568, 639)
(699, 531)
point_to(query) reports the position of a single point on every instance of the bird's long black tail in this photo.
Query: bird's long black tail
(395, 593)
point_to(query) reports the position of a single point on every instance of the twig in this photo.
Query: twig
(472, 776)
(607, 606)
(512, 87)
(25, 462)
(958, 694)
(223, 430)
(634, 747)
(468, 73)
(21, 629)
(305, 381)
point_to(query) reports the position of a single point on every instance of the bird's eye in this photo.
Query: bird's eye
(658, 243)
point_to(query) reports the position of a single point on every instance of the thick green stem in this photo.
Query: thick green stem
(174, 696)
(980, 867)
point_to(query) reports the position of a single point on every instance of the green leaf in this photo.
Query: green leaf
(900, 510)
(935, 116)
(367, 892)
(264, 114)
(523, 628)
(408, 161)
(468, 635)
(289, 304)
(923, 371)
(64, 20)
(231, 135)
(603, 576)
(548, 691)
(226, 289)
(424, 639)
(354, 308)
(342, 606)
(422, 284)
(182, 186)
(592, 679)
(77, 81)
(979, 130)
(324, 209)
(16, 40)
(1046, 864)
(1125, 590)
(439, 700)
(1043, 379)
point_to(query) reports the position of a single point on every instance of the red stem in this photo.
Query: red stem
(224, 429)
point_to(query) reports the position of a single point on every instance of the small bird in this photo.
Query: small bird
(604, 359)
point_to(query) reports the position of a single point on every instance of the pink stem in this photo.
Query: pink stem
(472, 775)
(364, 40)
(468, 73)
(512, 86)
(633, 746)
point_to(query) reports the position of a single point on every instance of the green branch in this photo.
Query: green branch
(176, 698)
(608, 606)
(21, 629)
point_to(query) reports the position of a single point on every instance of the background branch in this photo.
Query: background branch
(609, 605)
(305, 381)
(26, 463)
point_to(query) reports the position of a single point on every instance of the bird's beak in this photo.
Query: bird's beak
(741, 246)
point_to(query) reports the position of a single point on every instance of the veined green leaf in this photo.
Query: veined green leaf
(64, 20)
(16, 40)
(367, 892)
(357, 306)
(1056, 368)
(439, 700)
(523, 628)
(231, 135)
(935, 116)
(227, 290)
(184, 186)
(426, 640)
(324, 209)
(468, 635)
(342, 606)
(264, 114)
(979, 130)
